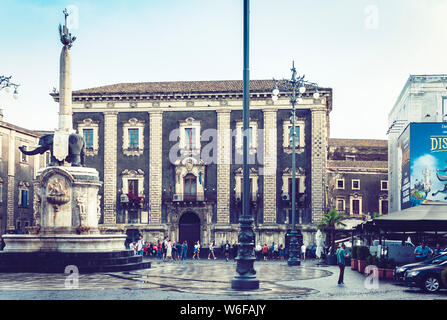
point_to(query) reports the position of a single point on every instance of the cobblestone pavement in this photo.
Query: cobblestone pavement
(205, 280)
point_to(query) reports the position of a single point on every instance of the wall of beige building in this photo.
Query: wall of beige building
(17, 172)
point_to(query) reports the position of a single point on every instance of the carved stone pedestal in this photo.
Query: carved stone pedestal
(68, 200)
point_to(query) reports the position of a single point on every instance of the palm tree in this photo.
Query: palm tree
(330, 221)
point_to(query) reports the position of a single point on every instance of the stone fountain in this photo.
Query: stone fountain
(66, 203)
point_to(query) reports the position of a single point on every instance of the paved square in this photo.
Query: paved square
(206, 280)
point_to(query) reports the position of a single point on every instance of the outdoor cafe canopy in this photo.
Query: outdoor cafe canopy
(430, 216)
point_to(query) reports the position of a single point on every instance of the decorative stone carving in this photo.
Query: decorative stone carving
(37, 202)
(80, 202)
(98, 207)
(57, 192)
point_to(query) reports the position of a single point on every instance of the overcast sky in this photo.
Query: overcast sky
(363, 49)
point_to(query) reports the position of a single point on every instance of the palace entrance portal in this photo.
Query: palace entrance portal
(189, 230)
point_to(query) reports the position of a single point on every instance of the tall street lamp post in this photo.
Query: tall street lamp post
(294, 88)
(245, 278)
(5, 83)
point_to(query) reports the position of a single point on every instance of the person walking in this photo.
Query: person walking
(227, 250)
(265, 251)
(196, 251)
(437, 250)
(169, 250)
(276, 252)
(174, 251)
(164, 247)
(139, 246)
(271, 250)
(303, 252)
(133, 246)
(422, 252)
(179, 251)
(258, 251)
(281, 252)
(341, 255)
(211, 253)
(184, 250)
(159, 250)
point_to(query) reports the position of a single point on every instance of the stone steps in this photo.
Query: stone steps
(56, 262)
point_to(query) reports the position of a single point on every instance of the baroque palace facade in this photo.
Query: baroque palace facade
(170, 157)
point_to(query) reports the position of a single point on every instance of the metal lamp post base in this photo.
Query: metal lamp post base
(245, 283)
(295, 262)
(294, 250)
(245, 278)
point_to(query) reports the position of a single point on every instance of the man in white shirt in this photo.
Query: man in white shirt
(140, 246)
(303, 252)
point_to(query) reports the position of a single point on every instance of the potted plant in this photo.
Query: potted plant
(330, 221)
(362, 255)
(382, 266)
(372, 261)
(354, 258)
(389, 271)
(135, 201)
(386, 268)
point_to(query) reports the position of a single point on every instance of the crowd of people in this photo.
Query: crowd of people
(422, 251)
(168, 250)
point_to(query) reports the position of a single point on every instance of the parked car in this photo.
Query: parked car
(428, 277)
(399, 271)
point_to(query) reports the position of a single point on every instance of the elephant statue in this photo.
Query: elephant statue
(76, 146)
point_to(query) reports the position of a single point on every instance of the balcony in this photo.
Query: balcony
(189, 198)
(254, 197)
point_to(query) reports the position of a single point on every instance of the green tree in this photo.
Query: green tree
(330, 221)
(376, 215)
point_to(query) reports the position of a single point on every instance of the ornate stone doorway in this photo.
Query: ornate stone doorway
(189, 230)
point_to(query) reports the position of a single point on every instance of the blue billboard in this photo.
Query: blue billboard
(427, 163)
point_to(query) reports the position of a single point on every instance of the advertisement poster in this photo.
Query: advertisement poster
(428, 162)
(404, 146)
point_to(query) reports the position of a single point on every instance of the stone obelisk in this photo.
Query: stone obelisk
(65, 96)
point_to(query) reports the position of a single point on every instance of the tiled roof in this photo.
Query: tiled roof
(333, 142)
(20, 129)
(182, 87)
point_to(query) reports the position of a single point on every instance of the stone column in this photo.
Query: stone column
(319, 158)
(223, 166)
(110, 166)
(155, 166)
(270, 165)
(10, 225)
